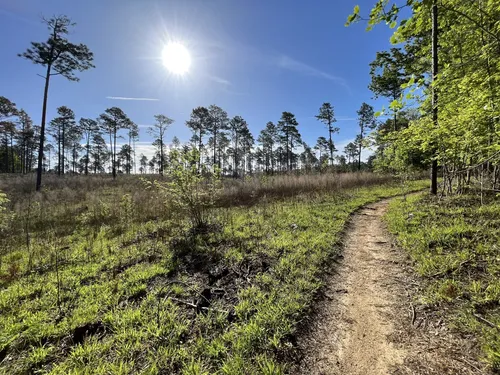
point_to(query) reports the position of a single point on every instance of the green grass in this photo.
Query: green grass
(147, 297)
(455, 246)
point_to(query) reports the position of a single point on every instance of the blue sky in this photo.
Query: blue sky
(254, 58)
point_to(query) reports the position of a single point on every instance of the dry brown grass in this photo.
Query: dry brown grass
(64, 198)
(251, 189)
(71, 189)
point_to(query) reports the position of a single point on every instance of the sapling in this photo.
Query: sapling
(189, 192)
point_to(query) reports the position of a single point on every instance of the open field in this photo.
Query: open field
(103, 280)
(454, 246)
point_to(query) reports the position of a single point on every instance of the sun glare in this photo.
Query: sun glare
(176, 58)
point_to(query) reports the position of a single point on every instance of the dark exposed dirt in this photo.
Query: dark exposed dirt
(367, 321)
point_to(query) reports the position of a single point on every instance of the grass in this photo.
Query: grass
(100, 284)
(454, 244)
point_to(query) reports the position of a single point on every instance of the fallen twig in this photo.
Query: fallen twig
(487, 322)
(470, 364)
(413, 314)
(449, 271)
(194, 306)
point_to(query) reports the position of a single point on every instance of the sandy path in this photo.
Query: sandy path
(363, 325)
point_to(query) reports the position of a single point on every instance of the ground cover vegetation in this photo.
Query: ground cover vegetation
(164, 277)
(454, 246)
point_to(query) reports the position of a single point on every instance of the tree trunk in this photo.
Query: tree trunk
(215, 147)
(87, 156)
(200, 143)
(63, 143)
(161, 155)
(129, 156)
(114, 154)
(6, 155)
(434, 165)
(58, 151)
(359, 155)
(330, 144)
(42, 131)
(135, 163)
(272, 160)
(288, 164)
(235, 172)
(12, 153)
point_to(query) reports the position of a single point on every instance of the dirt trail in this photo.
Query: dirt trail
(364, 323)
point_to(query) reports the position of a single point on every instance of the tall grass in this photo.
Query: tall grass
(67, 200)
(118, 294)
(252, 189)
(71, 189)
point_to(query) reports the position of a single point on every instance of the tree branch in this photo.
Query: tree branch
(497, 38)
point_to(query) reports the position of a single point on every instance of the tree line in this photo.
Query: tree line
(89, 145)
(442, 79)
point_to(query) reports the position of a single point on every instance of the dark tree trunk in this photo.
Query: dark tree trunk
(59, 151)
(42, 131)
(330, 144)
(114, 154)
(87, 156)
(200, 143)
(215, 147)
(360, 148)
(12, 153)
(162, 161)
(288, 164)
(434, 165)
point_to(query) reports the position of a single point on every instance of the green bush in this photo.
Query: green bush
(188, 191)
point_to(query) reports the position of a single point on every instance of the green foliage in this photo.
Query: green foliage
(189, 191)
(117, 300)
(63, 56)
(5, 216)
(289, 136)
(464, 140)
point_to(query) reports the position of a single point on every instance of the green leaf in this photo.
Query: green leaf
(393, 24)
(356, 9)
(394, 104)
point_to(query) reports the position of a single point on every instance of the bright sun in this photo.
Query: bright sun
(176, 58)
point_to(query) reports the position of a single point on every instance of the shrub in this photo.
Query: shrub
(188, 191)
(4, 213)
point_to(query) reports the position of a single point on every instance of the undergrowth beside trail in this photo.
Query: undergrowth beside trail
(151, 297)
(454, 244)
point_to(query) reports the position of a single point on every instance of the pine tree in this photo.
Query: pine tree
(60, 126)
(327, 116)
(366, 121)
(158, 130)
(60, 57)
(113, 120)
(290, 136)
(199, 125)
(218, 122)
